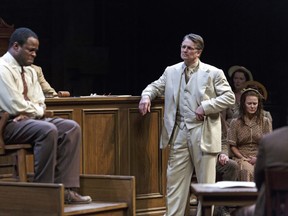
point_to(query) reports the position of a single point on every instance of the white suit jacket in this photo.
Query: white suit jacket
(213, 92)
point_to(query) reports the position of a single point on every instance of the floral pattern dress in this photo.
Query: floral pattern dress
(246, 136)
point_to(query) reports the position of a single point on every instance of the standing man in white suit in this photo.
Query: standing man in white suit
(195, 94)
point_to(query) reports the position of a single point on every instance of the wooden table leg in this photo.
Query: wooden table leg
(206, 210)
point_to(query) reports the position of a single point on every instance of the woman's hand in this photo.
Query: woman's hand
(252, 160)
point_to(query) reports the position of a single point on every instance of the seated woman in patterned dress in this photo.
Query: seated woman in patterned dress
(246, 130)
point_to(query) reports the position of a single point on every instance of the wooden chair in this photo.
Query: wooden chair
(276, 188)
(5, 33)
(17, 151)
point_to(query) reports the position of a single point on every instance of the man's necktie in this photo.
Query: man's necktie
(25, 88)
(187, 74)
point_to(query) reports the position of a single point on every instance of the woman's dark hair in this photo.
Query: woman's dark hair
(242, 108)
(20, 35)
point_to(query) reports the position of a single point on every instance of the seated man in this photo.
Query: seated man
(46, 88)
(56, 141)
(226, 168)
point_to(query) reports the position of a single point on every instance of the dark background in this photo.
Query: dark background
(120, 46)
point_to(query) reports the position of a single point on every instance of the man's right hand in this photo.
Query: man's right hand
(20, 118)
(144, 105)
(223, 159)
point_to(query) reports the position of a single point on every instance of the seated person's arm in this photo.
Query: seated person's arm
(236, 152)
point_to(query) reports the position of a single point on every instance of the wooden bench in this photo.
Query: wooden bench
(112, 195)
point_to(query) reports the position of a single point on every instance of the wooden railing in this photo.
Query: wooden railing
(112, 195)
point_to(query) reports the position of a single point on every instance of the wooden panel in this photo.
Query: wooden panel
(100, 147)
(110, 188)
(67, 114)
(145, 152)
(31, 199)
(147, 160)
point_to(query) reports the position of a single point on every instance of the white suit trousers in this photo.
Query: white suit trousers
(185, 156)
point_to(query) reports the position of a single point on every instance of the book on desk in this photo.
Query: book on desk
(233, 184)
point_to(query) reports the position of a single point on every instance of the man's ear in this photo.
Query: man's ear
(16, 46)
(199, 52)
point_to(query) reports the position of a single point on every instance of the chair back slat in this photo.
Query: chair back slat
(4, 116)
(276, 188)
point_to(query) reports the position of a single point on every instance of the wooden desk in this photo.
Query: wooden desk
(210, 195)
(117, 140)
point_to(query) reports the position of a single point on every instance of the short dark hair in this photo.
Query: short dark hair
(197, 39)
(20, 35)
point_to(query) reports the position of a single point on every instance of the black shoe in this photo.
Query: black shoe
(72, 197)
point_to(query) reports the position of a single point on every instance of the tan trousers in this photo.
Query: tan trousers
(185, 155)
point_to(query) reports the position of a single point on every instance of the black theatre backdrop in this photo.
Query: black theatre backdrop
(119, 46)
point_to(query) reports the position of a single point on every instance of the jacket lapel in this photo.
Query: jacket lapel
(202, 78)
(176, 79)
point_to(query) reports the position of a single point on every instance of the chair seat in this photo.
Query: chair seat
(17, 146)
(17, 151)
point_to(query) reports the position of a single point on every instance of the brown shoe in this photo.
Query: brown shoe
(72, 197)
